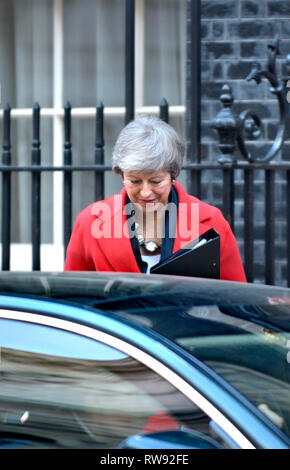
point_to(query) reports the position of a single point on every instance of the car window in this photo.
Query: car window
(254, 359)
(41, 338)
(52, 396)
(247, 345)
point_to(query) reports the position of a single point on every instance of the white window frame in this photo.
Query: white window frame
(52, 255)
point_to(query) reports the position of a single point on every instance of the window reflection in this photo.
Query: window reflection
(251, 357)
(52, 401)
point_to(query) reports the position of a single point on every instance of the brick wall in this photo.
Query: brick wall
(235, 33)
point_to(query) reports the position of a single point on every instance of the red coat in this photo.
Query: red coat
(92, 246)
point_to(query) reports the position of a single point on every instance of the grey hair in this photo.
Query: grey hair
(148, 144)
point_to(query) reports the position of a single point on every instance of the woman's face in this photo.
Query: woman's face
(149, 190)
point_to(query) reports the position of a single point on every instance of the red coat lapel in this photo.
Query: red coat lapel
(116, 245)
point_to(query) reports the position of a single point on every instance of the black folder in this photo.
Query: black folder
(199, 258)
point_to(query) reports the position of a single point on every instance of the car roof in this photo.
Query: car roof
(132, 292)
(112, 285)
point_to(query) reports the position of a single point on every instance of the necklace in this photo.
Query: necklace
(150, 246)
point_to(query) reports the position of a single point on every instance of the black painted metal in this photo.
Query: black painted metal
(6, 191)
(270, 226)
(35, 191)
(193, 180)
(288, 226)
(231, 128)
(130, 60)
(99, 152)
(164, 110)
(41, 168)
(228, 194)
(67, 178)
(226, 123)
(249, 224)
(284, 166)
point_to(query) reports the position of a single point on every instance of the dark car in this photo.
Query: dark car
(103, 360)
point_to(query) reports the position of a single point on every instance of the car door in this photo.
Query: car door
(67, 385)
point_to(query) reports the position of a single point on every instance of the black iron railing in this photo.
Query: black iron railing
(230, 127)
(6, 190)
(231, 130)
(130, 60)
(36, 169)
(227, 187)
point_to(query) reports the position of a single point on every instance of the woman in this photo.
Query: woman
(153, 216)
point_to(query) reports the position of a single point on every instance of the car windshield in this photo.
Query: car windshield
(249, 346)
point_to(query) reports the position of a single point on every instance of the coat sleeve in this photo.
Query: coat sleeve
(231, 266)
(77, 255)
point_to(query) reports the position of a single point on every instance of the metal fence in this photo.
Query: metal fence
(227, 169)
(234, 131)
(230, 132)
(36, 169)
